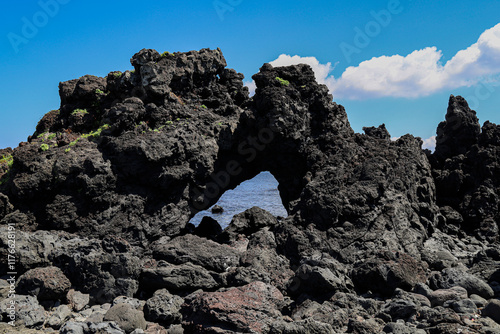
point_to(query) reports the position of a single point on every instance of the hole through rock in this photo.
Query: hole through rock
(261, 191)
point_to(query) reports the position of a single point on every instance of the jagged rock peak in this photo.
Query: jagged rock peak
(459, 131)
(377, 132)
(191, 79)
(466, 169)
(299, 75)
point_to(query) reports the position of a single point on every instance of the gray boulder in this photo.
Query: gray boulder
(73, 327)
(399, 308)
(261, 262)
(59, 316)
(399, 328)
(134, 302)
(163, 308)
(182, 277)
(126, 316)
(451, 277)
(316, 281)
(388, 271)
(77, 300)
(27, 311)
(305, 326)
(441, 296)
(248, 222)
(462, 306)
(199, 251)
(478, 300)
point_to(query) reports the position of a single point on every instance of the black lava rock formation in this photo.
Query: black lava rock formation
(381, 236)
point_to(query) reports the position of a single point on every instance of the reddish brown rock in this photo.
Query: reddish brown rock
(250, 309)
(47, 283)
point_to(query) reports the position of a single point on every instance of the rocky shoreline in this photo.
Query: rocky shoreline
(381, 236)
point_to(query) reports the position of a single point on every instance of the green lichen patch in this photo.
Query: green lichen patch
(79, 112)
(283, 82)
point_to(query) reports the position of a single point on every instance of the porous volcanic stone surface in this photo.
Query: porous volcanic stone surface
(381, 235)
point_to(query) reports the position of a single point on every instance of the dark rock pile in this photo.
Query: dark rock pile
(381, 237)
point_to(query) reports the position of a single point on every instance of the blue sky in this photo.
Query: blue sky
(393, 62)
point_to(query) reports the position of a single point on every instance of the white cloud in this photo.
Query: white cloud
(420, 73)
(417, 74)
(430, 143)
(251, 87)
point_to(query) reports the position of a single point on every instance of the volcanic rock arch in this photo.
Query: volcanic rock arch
(105, 188)
(143, 164)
